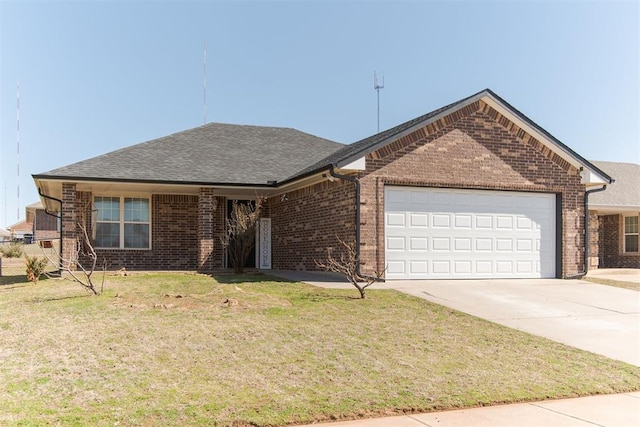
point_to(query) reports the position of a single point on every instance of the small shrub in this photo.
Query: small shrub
(35, 268)
(14, 250)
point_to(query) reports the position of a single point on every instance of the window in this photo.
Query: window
(631, 234)
(122, 222)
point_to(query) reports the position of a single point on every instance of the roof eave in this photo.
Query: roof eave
(506, 109)
(148, 181)
(528, 125)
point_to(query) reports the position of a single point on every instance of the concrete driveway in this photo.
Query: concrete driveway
(597, 318)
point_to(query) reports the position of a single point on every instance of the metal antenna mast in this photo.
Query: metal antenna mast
(205, 83)
(18, 150)
(377, 87)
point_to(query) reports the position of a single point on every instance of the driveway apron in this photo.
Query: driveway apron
(597, 318)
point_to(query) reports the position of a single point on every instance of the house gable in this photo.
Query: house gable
(474, 146)
(511, 119)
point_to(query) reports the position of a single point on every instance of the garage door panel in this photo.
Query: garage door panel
(484, 267)
(441, 244)
(395, 268)
(418, 244)
(419, 267)
(441, 221)
(461, 244)
(395, 219)
(445, 233)
(395, 243)
(419, 220)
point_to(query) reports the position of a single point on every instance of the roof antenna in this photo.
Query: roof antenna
(18, 149)
(377, 87)
(205, 83)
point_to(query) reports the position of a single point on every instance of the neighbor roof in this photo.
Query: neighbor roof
(624, 193)
(215, 153)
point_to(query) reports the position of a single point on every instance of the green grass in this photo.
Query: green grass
(180, 349)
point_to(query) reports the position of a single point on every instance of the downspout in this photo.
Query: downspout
(57, 216)
(54, 199)
(356, 183)
(586, 232)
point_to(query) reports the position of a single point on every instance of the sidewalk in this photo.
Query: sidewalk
(613, 410)
(621, 274)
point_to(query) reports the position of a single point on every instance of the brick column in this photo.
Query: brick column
(69, 227)
(205, 229)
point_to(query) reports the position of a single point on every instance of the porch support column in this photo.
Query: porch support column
(69, 228)
(207, 204)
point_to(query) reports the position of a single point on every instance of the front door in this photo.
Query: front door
(251, 258)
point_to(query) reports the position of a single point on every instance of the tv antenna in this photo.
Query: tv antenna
(377, 88)
(204, 86)
(18, 149)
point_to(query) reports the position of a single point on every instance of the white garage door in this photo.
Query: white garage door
(435, 233)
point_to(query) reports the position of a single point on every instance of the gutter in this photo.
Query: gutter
(54, 199)
(586, 232)
(356, 183)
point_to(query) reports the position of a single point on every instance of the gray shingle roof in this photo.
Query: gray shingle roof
(367, 145)
(215, 153)
(363, 147)
(624, 192)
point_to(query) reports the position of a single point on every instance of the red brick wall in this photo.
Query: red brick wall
(304, 223)
(594, 239)
(174, 236)
(610, 247)
(478, 148)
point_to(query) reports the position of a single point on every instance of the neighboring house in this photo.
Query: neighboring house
(37, 225)
(474, 189)
(614, 218)
(5, 235)
(45, 226)
(21, 230)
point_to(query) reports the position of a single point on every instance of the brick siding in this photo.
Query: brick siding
(174, 236)
(594, 239)
(474, 148)
(610, 245)
(305, 223)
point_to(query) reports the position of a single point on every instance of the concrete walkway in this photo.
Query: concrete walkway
(613, 410)
(621, 274)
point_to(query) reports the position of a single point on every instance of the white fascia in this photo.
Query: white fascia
(356, 165)
(588, 176)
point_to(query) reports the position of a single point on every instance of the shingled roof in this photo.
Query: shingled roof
(622, 194)
(352, 152)
(215, 153)
(225, 154)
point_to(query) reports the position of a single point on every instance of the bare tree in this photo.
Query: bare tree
(240, 234)
(75, 266)
(347, 265)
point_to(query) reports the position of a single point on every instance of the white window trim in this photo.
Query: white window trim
(122, 222)
(625, 234)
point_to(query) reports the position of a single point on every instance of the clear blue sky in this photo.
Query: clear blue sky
(98, 76)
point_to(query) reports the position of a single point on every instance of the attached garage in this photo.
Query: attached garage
(441, 233)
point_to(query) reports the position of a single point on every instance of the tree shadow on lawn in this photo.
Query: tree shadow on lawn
(311, 293)
(12, 280)
(233, 278)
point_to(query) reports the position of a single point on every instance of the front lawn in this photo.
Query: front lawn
(180, 349)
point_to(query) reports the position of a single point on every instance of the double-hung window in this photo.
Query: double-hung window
(122, 222)
(631, 234)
